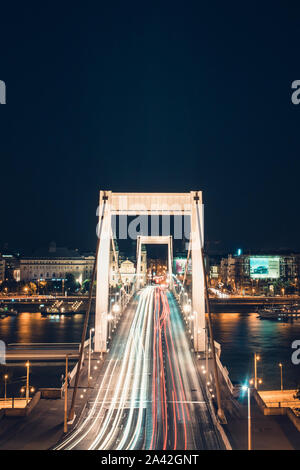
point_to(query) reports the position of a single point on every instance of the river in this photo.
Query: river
(240, 335)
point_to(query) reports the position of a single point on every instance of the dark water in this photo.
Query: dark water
(240, 335)
(33, 328)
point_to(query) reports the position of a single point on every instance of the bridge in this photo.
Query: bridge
(156, 389)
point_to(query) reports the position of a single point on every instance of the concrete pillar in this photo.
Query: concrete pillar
(139, 282)
(170, 262)
(102, 290)
(198, 299)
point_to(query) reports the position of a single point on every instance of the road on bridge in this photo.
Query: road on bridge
(149, 395)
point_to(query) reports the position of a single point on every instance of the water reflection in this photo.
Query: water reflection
(35, 328)
(241, 335)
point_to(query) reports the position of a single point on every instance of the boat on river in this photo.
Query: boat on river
(5, 311)
(280, 312)
(59, 307)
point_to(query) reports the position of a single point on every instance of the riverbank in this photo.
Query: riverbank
(268, 432)
(218, 305)
(249, 304)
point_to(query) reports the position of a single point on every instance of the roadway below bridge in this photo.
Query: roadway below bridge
(41, 351)
(149, 394)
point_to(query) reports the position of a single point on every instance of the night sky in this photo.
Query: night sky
(150, 96)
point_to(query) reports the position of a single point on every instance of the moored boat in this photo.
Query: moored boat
(5, 311)
(282, 312)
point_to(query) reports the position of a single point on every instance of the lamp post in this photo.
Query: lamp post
(247, 388)
(66, 397)
(256, 358)
(90, 346)
(206, 350)
(281, 379)
(5, 382)
(27, 381)
(116, 310)
(187, 309)
(109, 318)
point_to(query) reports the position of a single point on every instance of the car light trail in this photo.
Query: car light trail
(169, 396)
(149, 395)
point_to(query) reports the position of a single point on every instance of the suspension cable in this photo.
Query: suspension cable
(87, 314)
(216, 372)
(186, 265)
(116, 259)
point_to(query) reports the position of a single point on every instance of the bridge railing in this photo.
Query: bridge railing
(74, 370)
(43, 345)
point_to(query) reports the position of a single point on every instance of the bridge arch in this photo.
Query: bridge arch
(153, 240)
(129, 204)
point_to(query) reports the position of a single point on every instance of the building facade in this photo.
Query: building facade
(2, 269)
(125, 267)
(12, 264)
(56, 264)
(127, 272)
(260, 274)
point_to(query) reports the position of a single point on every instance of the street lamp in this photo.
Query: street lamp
(90, 346)
(259, 381)
(256, 358)
(116, 308)
(281, 379)
(27, 381)
(109, 318)
(5, 382)
(247, 388)
(66, 396)
(187, 308)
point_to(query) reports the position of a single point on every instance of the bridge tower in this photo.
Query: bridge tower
(154, 240)
(165, 204)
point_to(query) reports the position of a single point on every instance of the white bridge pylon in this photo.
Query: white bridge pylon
(151, 204)
(153, 240)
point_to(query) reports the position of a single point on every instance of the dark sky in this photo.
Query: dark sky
(150, 96)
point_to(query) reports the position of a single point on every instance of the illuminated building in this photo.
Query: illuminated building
(2, 269)
(55, 264)
(124, 266)
(12, 262)
(260, 273)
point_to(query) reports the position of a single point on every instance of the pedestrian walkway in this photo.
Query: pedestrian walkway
(13, 402)
(43, 428)
(268, 432)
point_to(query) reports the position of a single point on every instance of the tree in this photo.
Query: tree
(9, 286)
(85, 285)
(30, 288)
(70, 284)
(297, 394)
(43, 287)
